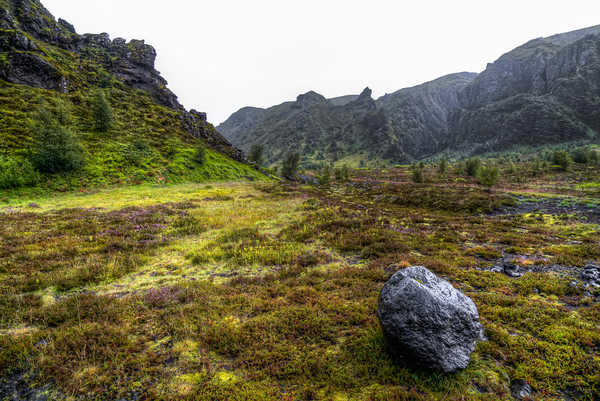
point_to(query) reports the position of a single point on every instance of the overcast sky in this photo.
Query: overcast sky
(221, 55)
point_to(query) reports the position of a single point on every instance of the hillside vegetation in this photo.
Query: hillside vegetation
(146, 136)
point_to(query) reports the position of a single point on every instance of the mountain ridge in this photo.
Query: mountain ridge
(543, 92)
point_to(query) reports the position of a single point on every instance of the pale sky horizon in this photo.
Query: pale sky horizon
(219, 56)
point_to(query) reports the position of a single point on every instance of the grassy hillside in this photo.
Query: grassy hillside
(151, 138)
(146, 144)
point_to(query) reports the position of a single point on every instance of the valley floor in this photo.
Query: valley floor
(268, 291)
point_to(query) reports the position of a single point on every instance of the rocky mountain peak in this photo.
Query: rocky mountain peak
(365, 94)
(310, 99)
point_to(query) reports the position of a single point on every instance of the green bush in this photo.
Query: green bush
(472, 167)
(200, 154)
(289, 169)
(15, 173)
(325, 176)
(257, 155)
(103, 114)
(562, 159)
(342, 174)
(136, 152)
(55, 149)
(443, 167)
(488, 176)
(417, 173)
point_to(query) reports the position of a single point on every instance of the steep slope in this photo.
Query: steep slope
(544, 92)
(419, 115)
(45, 63)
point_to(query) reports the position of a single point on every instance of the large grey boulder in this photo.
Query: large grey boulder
(427, 322)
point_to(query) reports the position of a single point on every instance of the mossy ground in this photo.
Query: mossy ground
(268, 291)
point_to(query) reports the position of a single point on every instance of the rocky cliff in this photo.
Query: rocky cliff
(38, 51)
(544, 92)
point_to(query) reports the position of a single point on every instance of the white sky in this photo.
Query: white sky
(221, 55)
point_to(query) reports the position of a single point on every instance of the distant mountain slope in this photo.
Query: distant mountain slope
(544, 92)
(44, 62)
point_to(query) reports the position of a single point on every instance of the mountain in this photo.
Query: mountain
(544, 92)
(45, 63)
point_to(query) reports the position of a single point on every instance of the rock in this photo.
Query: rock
(591, 275)
(307, 179)
(510, 269)
(65, 24)
(520, 389)
(427, 322)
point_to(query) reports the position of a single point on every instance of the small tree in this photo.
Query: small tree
(257, 155)
(472, 166)
(289, 169)
(55, 148)
(562, 159)
(488, 176)
(443, 167)
(417, 173)
(200, 154)
(342, 174)
(325, 177)
(103, 114)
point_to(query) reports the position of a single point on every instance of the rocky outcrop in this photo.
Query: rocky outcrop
(427, 322)
(132, 63)
(28, 29)
(543, 92)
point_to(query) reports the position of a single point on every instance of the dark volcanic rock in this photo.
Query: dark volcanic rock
(520, 390)
(428, 322)
(591, 275)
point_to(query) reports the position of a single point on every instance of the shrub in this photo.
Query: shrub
(200, 154)
(472, 166)
(562, 159)
(417, 173)
(15, 173)
(289, 169)
(342, 174)
(488, 176)
(136, 152)
(443, 166)
(103, 114)
(56, 149)
(325, 177)
(257, 155)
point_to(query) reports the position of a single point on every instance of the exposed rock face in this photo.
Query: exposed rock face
(544, 92)
(419, 116)
(428, 322)
(24, 61)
